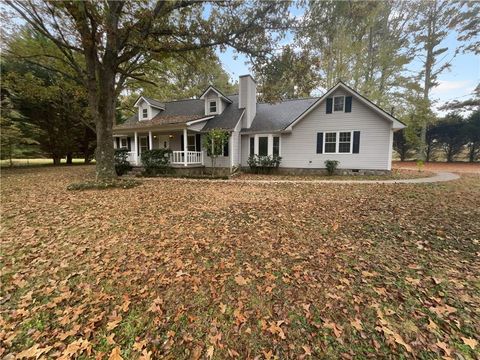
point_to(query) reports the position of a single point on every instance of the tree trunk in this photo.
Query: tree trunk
(429, 62)
(56, 160)
(102, 102)
(69, 159)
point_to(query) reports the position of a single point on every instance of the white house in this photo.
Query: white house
(340, 125)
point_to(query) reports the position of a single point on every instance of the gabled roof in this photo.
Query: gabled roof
(219, 93)
(152, 102)
(275, 117)
(228, 119)
(396, 124)
(175, 112)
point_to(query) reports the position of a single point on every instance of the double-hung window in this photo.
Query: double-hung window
(338, 142)
(276, 146)
(345, 142)
(191, 143)
(330, 143)
(212, 106)
(145, 113)
(123, 143)
(338, 103)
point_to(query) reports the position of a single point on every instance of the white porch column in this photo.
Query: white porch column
(255, 145)
(150, 142)
(136, 147)
(270, 145)
(185, 147)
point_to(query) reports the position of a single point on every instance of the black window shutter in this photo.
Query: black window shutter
(319, 143)
(348, 104)
(356, 142)
(252, 146)
(225, 149)
(181, 142)
(129, 143)
(198, 144)
(117, 140)
(329, 105)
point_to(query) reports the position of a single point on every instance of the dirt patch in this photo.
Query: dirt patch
(458, 167)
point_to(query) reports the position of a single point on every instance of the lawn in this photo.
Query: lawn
(197, 270)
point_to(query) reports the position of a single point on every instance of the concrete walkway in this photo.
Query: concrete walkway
(438, 177)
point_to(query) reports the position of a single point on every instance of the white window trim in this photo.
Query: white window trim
(194, 142)
(269, 143)
(143, 113)
(216, 106)
(126, 143)
(343, 109)
(140, 142)
(337, 142)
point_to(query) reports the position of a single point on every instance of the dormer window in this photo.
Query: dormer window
(212, 106)
(338, 103)
(145, 113)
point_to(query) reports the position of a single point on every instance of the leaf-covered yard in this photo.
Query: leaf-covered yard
(196, 270)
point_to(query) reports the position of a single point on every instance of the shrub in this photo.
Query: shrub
(156, 161)
(264, 163)
(331, 166)
(420, 165)
(122, 166)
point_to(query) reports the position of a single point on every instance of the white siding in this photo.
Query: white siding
(245, 148)
(298, 149)
(247, 98)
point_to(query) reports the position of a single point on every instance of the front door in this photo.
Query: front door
(163, 142)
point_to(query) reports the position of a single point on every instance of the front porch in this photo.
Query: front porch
(185, 146)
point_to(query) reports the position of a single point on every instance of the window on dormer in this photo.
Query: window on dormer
(145, 113)
(212, 106)
(338, 103)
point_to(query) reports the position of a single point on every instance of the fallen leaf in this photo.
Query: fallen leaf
(268, 354)
(399, 340)
(115, 354)
(470, 342)
(444, 347)
(196, 353)
(210, 352)
(240, 280)
(223, 308)
(357, 324)
(307, 349)
(146, 355)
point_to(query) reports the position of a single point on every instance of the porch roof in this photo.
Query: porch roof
(160, 119)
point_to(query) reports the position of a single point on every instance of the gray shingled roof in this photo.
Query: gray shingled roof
(155, 102)
(269, 117)
(176, 112)
(277, 116)
(228, 119)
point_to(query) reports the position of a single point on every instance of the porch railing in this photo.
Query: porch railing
(176, 158)
(193, 157)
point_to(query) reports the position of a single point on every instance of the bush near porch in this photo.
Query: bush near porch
(156, 162)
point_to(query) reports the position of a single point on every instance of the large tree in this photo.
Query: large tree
(108, 42)
(363, 43)
(287, 74)
(434, 21)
